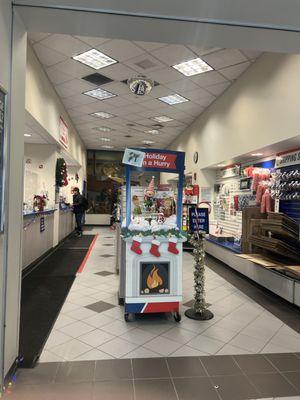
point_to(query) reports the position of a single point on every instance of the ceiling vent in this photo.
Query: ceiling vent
(145, 64)
(158, 126)
(97, 79)
(130, 124)
(128, 136)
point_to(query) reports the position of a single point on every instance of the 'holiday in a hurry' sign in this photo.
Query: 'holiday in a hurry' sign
(160, 160)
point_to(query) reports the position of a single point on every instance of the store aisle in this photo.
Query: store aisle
(91, 324)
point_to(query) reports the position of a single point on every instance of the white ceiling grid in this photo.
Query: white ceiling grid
(132, 115)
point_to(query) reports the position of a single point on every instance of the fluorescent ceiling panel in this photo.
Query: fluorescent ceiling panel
(94, 59)
(173, 99)
(99, 94)
(162, 118)
(102, 129)
(153, 132)
(102, 114)
(148, 142)
(193, 67)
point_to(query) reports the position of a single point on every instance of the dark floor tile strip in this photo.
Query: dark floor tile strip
(282, 309)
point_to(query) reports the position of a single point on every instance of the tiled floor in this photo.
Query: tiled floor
(175, 378)
(91, 324)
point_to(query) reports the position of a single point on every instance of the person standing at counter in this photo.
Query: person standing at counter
(79, 207)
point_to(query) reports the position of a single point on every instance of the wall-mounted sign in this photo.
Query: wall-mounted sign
(199, 220)
(63, 133)
(2, 136)
(229, 172)
(133, 157)
(287, 159)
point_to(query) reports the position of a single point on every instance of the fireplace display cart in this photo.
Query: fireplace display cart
(153, 239)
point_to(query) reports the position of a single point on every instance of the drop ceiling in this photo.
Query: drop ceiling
(134, 115)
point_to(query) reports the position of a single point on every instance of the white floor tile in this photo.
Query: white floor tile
(137, 336)
(69, 351)
(98, 320)
(206, 344)
(63, 320)
(96, 337)
(76, 329)
(94, 354)
(117, 328)
(47, 356)
(186, 351)
(142, 352)
(218, 333)
(248, 343)
(56, 338)
(162, 345)
(179, 335)
(117, 347)
(228, 349)
(81, 313)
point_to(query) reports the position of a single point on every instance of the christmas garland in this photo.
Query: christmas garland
(61, 175)
(163, 233)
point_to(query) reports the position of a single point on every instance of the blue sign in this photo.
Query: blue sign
(199, 220)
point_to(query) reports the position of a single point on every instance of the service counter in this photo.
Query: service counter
(66, 223)
(38, 229)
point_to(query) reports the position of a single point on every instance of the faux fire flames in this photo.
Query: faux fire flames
(154, 282)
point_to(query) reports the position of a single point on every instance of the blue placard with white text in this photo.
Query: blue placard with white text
(199, 220)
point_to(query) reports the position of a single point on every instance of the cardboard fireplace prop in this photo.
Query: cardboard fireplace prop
(153, 237)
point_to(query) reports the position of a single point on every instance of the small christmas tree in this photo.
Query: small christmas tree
(61, 173)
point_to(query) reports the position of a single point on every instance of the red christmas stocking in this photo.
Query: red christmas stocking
(172, 246)
(154, 248)
(136, 245)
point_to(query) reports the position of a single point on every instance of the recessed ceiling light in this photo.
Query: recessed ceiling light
(148, 142)
(105, 139)
(162, 118)
(99, 94)
(102, 129)
(193, 67)
(173, 99)
(127, 136)
(256, 154)
(221, 165)
(102, 114)
(107, 146)
(94, 59)
(27, 134)
(153, 132)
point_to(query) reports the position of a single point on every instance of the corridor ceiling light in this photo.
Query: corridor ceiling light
(27, 134)
(162, 118)
(102, 129)
(107, 146)
(105, 139)
(257, 154)
(173, 99)
(94, 59)
(148, 142)
(100, 94)
(102, 114)
(221, 165)
(153, 132)
(193, 67)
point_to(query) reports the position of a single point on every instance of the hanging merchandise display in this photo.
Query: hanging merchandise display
(61, 175)
(153, 238)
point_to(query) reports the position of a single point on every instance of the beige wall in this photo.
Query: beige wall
(45, 106)
(259, 109)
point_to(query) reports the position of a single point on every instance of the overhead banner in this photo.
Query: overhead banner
(63, 133)
(160, 160)
(288, 159)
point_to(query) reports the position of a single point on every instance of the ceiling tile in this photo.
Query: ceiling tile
(65, 44)
(73, 68)
(182, 85)
(224, 58)
(197, 94)
(118, 72)
(201, 51)
(77, 85)
(235, 71)
(116, 101)
(144, 64)
(91, 107)
(165, 75)
(120, 50)
(173, 54)
(208, 79)
(156, 105)
(218, 89)
(117, 88)
(47, 56)
(251, 54)
(37, 36)
(150, 46)
(190, 108)
(92, 41)
(57, 77)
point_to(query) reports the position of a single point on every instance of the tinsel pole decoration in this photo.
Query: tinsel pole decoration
(200, 310)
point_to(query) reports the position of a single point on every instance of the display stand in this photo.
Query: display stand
(154, 257)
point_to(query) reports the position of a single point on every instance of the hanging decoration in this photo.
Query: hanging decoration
(61, 173)
(200, 310)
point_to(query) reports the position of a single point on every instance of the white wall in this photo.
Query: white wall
(259, 109)
(45, 106)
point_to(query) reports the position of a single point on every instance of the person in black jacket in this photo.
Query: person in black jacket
(78, 210)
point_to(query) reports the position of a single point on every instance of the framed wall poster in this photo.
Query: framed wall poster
(63, 133)
(2, 140)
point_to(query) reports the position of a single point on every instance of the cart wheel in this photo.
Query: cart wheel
(126, 317)
(177, 316)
